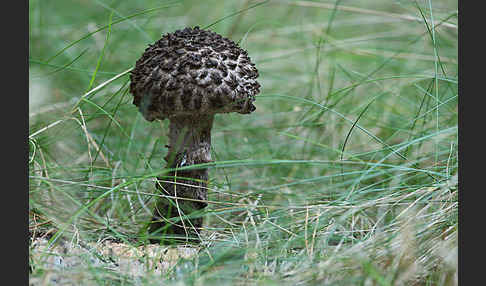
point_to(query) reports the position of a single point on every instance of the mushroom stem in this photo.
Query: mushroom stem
(189, 144)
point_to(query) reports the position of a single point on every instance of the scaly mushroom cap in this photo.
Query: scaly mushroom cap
(193, 71)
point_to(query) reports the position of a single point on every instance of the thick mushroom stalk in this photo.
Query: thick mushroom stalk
(187, 77)
(189, 144)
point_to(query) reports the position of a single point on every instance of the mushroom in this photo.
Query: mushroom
(188, 76)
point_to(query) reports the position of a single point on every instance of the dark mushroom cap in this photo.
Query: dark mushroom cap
(193, 71)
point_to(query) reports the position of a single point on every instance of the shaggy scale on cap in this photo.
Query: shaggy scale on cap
(193, 71)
